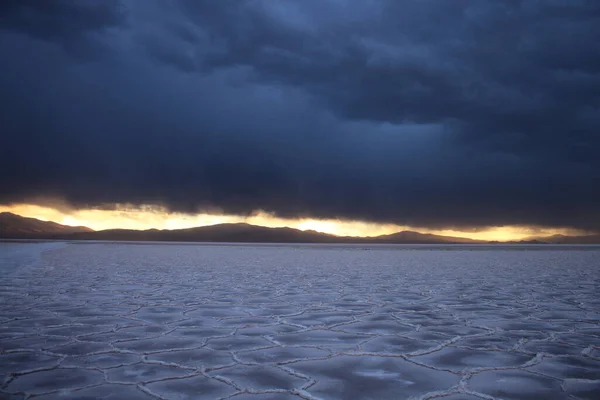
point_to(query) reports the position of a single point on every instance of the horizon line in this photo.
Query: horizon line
(143, 220)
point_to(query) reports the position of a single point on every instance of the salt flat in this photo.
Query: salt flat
(169, 321)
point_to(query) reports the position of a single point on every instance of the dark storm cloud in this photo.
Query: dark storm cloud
(427, 113)
(75, 23)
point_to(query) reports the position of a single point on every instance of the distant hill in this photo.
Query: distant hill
(15, 226)
(259, 234)
(213, 233)
(416, 238)
(564, 239)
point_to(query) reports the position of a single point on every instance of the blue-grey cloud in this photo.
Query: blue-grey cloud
(428, 113)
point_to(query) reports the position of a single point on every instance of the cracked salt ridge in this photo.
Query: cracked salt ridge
(304, 322)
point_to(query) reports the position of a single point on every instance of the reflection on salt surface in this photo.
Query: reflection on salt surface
(299, 321)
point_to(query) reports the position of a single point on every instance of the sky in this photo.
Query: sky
(345, 116)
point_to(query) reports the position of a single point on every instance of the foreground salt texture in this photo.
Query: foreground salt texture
(124, 321)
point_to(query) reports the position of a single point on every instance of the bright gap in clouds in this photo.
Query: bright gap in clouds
(149, 217)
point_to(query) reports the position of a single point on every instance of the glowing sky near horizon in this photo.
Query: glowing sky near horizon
(148, 217)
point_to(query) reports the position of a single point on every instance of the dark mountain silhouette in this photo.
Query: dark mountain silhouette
(17, 227)
(416, 237)
(564, 239)
(214, 233)
(13, 225)
(258, 234)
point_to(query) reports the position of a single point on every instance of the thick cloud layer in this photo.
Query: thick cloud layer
(426, 113)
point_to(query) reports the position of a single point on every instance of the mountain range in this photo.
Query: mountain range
(14, 226)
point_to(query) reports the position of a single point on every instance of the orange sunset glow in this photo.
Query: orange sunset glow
(149, 217)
